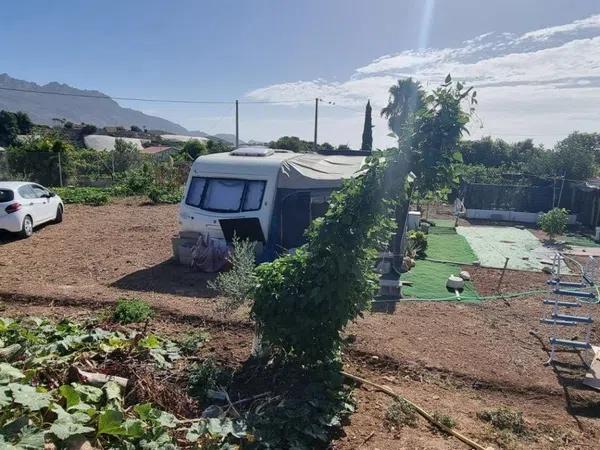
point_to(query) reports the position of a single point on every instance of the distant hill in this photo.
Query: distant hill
(102, 112)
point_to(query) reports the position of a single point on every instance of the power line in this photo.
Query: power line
(155, 100)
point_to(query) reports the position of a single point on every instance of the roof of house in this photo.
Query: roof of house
(155, 149)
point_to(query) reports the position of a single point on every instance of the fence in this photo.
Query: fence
(79, 168)
(508, 198)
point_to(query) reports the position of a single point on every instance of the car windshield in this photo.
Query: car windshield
(225, 194)
(6, 195)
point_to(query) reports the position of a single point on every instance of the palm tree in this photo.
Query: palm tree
(406, 98)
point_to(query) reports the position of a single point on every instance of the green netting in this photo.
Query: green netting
(429, 282)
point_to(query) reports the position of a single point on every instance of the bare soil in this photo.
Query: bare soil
(452, 358)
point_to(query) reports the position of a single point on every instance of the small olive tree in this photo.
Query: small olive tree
(554, 222)
(236, 285)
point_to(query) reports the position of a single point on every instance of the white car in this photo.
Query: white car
(24, 206)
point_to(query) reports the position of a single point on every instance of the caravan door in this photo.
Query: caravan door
(295, 218)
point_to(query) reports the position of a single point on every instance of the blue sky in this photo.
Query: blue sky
(341, 50)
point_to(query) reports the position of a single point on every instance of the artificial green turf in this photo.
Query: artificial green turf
(445, 244)
(579, 240)
(429, 282)
(442, 223)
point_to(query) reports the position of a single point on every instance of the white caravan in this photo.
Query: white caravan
(263, 194)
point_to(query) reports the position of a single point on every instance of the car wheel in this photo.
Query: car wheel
(27, 228)
(59, 214)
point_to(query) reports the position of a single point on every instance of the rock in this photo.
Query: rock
(465, 275)
(547, 269)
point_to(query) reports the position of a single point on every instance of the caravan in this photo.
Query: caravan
(267, 195)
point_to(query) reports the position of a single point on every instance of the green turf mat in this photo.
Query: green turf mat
(444, 223)
(429, 282)
(445, 244)
(579, 240)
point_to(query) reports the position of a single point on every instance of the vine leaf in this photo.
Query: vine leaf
(67, 425)
(110, 422)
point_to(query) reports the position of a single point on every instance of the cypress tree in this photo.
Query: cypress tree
(367, 136)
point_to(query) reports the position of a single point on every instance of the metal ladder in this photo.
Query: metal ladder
(577, 294)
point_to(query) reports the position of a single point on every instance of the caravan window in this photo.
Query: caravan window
(225, 194)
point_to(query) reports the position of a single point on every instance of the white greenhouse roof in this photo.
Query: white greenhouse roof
(101, 142)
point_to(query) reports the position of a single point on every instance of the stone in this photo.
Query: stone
(465, 275)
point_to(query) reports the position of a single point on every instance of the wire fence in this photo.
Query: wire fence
(82, 168)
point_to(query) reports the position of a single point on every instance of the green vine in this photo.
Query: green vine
(304, 300)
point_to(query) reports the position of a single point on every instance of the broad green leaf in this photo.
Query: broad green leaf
(143, 410)
(29, 397)
(167, 420)
(133, 428)
(196, 431)
(90, 394)
(110, 422)
(31, 438)
(64, 429)
(150, 341)
(112, 390)
(5, 397)
(71, 395)
(9, 373)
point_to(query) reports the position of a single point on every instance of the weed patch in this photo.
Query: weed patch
(504, 419)
(401, 413)
(132, 311)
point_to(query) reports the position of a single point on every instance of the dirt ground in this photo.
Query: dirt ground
(451, 358)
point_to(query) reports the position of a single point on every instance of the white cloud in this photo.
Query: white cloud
(544, 83)
(592, 22)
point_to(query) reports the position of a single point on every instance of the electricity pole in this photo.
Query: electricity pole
(316, 120)
(237, 125)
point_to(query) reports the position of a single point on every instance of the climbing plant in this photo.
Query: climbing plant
(303, 300)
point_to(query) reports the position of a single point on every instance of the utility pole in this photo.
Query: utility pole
(237, 125)
(316, 120)
(561, 188)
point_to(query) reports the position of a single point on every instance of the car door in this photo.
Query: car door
(42, 195)
(30, 203)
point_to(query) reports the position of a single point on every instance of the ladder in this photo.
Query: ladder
(566, 297)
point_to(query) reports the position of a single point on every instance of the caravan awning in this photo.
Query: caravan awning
(314, 171)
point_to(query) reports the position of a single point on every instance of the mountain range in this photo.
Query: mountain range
(65, 103)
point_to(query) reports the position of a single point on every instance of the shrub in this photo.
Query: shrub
(193, 341)
(554, 222)
(84, 195)
(418, 242)
(236, 285)
(444, 419)
(204, 377)
(88, 129)
(401, 413)
(164, 194)
(132, 311)
(504, 419)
